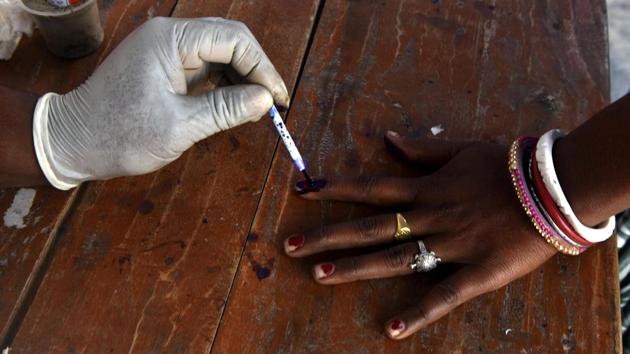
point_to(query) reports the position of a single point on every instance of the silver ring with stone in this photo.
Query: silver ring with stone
(425, 260)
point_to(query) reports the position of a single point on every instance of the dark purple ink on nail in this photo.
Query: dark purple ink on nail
(308, 178)
(316, 185)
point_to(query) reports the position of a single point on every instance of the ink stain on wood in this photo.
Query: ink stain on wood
(252, 237)
(261, 271)
(94, 247)
(213, 269)
(486, 11)
(122, 260)
(146, 207)
(181, 243)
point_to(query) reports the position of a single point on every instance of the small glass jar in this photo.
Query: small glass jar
(70, 32)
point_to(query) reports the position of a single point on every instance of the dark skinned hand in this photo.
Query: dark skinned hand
(466, 212)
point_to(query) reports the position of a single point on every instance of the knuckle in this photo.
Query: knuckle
(443, 210)
(398, 256)
(366, 184)
(227, 21)
(422, 186)
(421, 315)
(447, 293)
(239, 27)
(354, 267)
(447, 210)
(325, 235)
(368, 228)
(242, 26)
(158, 21)
(496, 276)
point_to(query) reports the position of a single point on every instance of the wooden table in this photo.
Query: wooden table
(189, 259)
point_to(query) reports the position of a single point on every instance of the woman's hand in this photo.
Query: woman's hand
(466, 212)
(134, 115)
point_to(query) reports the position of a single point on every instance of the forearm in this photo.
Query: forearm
(593, 164)
(18, 163)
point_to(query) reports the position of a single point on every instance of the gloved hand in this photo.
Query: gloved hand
(132, 116)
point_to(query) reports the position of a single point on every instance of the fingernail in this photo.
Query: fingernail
(324, 270)
(394, 149)
(302, 187)
(396, 327)
(294, 242)
(392, 134)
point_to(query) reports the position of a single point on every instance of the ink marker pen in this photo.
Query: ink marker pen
(288, 143)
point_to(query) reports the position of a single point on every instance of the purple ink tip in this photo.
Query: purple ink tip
(302, 187)
(308, 178)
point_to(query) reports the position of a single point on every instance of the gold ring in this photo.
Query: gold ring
(403, 231)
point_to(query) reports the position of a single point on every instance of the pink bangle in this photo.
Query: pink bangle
(515, 164)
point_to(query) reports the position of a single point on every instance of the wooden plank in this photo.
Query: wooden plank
(145, 264)
(33, 68)
(478, 69)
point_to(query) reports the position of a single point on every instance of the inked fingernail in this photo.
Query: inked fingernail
(324, 270)
(302, 187)
(396, 327)
(294, 242)
(393, 134)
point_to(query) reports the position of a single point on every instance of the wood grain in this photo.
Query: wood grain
(480, 70)
(32, 68)
(145, 264)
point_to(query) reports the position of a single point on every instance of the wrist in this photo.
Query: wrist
(18, 164)
(579, 182)
(574, 189)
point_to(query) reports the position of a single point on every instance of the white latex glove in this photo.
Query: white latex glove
(132, 116)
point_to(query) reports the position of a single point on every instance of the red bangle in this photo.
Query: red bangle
(551, 207)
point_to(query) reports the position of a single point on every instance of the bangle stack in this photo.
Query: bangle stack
(538, 189)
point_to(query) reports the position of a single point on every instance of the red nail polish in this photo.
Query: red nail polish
(295, 242)
(324, 270)
(328, 268)
(396, 327)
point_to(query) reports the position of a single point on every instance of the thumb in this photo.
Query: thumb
(228, 107)
(429, 151)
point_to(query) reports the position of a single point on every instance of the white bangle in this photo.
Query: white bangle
(544, 157)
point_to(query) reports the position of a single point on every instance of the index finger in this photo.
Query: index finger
(364, 189)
